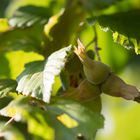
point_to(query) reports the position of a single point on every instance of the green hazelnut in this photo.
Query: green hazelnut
(85, 91)
(115, 86)
(96, 72)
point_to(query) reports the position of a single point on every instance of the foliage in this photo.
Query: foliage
(53, 98)
(121, 24)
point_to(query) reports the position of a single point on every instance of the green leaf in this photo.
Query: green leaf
(7, 86)
(30, 81)
(5, 71)
(63, 119)
(5, 101)
(54, 64)
(25, 38)
(3, 6)
(129, 43)
(35, 118)
(98, 4)
(22, 39)
(29, 15)
(125, 27)
(35, 82)
(87, 121)
(9, 132)
(61, 28)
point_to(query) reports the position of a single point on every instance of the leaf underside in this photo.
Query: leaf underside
(54, 64)
(38, 77)
(28, 15)
(125, 27)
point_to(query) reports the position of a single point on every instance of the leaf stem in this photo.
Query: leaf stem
(95, 40)
(9, 121)
(92, 41)
(96, 44)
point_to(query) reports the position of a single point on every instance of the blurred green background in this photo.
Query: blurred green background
(121, 116)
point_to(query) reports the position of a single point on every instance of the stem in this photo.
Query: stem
(96, 44)
(10, 120)
(92, 41)
(95, 40)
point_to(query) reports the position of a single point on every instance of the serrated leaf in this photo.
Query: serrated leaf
(88, 122)
(63, 119)
(30, 81)
(128, 43)
(125, 27)
(35, 118)
(7, 86)
(22, 39)
(29, 15)
(54, 64)
(37, 81)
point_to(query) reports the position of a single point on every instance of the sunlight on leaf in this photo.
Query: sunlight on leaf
(128, 43)
(63, 119)
(54, 64)
(125, 27)
(35, 82)
(87, 120)
(4, 25)
(29, 15)
(36, 119)
(67, 121)
(61, 27)
(30, 80)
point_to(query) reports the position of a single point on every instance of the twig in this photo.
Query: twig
(92, 41)
(96, 44)
(95, 40)
(10, 120)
